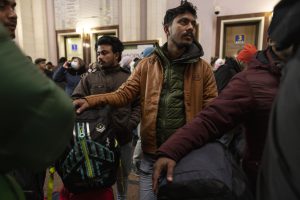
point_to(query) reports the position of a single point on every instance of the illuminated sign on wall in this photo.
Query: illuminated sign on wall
(239, 39)
(74, 47)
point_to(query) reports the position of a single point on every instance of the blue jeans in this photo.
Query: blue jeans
(137, 153)
(123, 171)
(146, 171)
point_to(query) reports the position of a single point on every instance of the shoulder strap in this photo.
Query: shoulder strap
(50, 183)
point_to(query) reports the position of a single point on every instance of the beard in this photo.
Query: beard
(106, 64)
(182, 44)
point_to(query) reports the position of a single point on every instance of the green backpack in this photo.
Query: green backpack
(92, 158)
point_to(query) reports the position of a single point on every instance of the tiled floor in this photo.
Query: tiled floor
(133, 188)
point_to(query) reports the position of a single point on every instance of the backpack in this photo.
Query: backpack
(92, 158)
(224, 73)
(206, 173)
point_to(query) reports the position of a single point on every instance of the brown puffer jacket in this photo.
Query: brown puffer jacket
(146, 81)
(102, 81)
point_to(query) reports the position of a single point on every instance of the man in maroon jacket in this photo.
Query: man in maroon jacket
(247, 100)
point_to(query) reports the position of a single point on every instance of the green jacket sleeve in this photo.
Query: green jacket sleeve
(36, 116)
(9, 189)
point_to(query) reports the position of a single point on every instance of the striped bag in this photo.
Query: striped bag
(92, 158)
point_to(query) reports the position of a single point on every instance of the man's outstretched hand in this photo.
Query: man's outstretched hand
(80, 105)
(162, 164)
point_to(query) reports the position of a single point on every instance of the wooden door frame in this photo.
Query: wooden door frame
(242, 24)
(87, 47)
(100, 30)
(263, 18)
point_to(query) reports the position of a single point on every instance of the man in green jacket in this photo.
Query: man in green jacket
(37, 117)
(174, 83)
(8, 16)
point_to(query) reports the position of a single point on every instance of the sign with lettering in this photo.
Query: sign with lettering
(239, 39)
(74, 47)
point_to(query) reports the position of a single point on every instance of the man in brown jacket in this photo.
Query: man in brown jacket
(174, 83)
(246, 100)
(107, 78)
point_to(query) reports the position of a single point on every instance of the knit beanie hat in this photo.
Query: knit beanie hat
(219, 62)
(246, 54)
(147, 52)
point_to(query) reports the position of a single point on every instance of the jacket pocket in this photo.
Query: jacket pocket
(98, 89)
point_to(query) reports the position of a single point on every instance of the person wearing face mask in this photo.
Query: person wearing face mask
(71, 73)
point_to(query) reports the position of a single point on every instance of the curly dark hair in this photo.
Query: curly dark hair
(116, 44)
(185, 7)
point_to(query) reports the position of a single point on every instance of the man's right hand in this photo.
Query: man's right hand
(162, 164)
(80, 105)
(66, 65)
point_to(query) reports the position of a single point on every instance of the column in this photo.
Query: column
(130, 20)
(156, 10)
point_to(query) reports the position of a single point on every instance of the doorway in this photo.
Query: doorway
(71, 43)
(237, 35)
(73, 47)
(234, 31)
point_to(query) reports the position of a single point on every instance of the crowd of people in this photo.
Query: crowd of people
(177, 104)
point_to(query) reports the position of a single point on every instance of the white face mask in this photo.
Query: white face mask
(75, 65)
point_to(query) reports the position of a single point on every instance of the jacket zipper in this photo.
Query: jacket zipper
(167, 82)
(159, 98)
(85, 150)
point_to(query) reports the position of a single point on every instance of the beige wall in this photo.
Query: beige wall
(130, 20)
(52, 48)
(36, 34)
(32, 32)
(207, 18)
(156, 10)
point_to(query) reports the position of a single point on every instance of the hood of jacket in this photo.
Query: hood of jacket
(287, 31)
(191, 55)
(267, 60)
